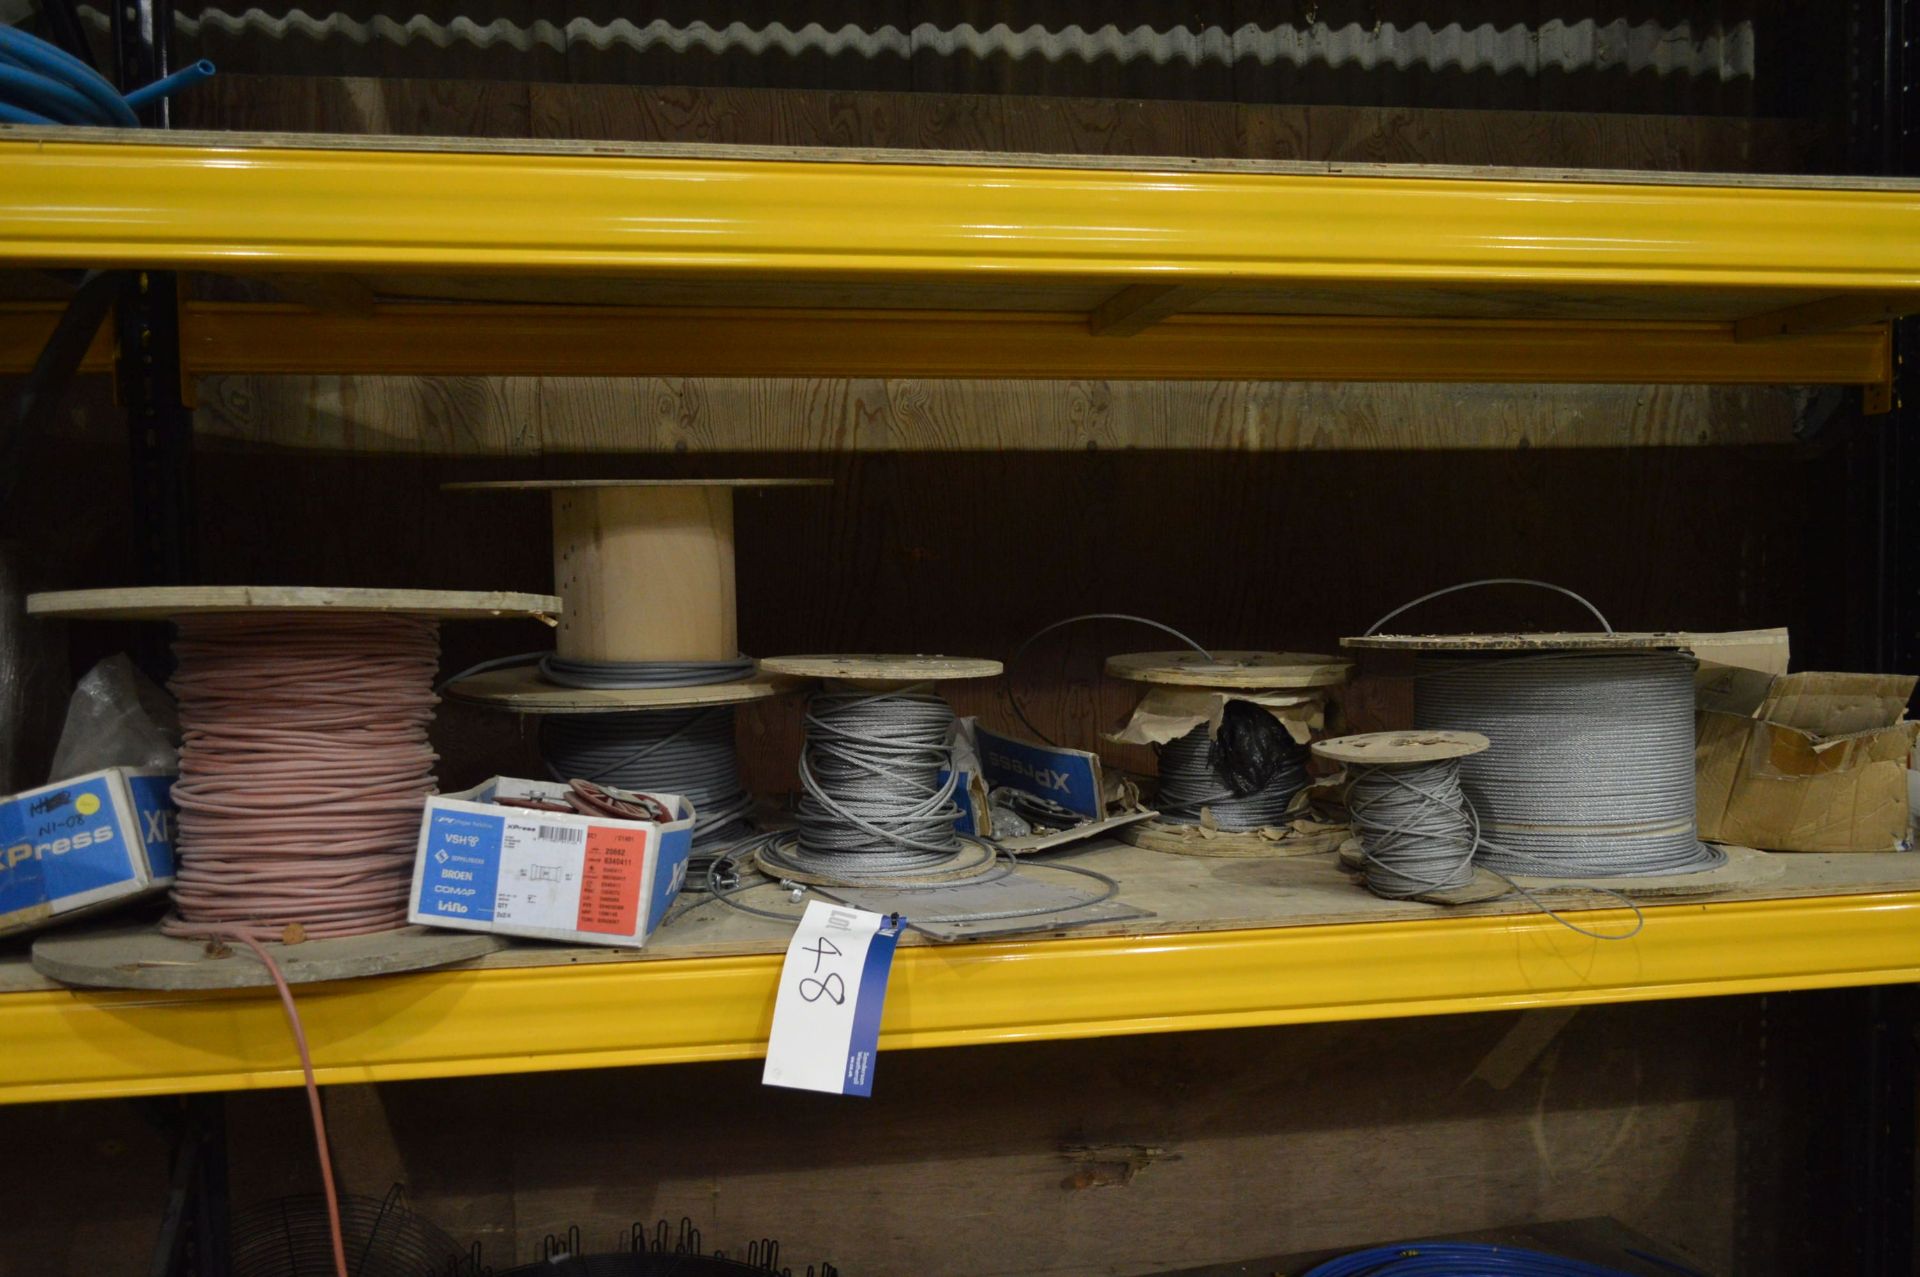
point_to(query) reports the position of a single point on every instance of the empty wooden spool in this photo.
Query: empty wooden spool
(645, 567)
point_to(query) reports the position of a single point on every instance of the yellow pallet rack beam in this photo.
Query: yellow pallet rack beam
(212, 201)
(67, 1044)
(1463, 275)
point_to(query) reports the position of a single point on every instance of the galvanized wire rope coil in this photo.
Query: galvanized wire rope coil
(1191, 784)
(1591, 772)
(875, 802)
(1415, 828)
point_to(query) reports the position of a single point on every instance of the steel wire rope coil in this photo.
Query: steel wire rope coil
(1591, 771)
(1415, 828)
(1191, 784)
(875, 803)
(304, 769)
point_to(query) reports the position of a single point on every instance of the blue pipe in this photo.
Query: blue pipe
(41, 83)
(167, 86)
(57, 64)
(1456, 1259)
(45, 95)
(20, 115)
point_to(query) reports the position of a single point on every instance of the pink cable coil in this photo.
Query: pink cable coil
(304, 768)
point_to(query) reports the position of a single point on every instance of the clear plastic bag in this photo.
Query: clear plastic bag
(117, 717)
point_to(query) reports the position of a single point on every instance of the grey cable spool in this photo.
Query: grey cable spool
(1590, 773)
(640, 689)
(1591, 769)
(1200, 815)
(874, 809)
(1416, 836)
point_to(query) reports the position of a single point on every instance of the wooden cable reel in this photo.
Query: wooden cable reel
(877, 675)
(1194, 685)
(140, 957)
(645, 571)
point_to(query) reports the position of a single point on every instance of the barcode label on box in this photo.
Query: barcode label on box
(560, 833)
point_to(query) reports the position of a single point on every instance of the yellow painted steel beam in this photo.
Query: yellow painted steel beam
(481, 339)
(75, 1045)
(214, 203)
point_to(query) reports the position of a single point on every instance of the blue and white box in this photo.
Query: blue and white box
(83, 844)
(547, 875)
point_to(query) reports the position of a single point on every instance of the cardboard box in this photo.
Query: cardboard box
(1071, 778)
(82, 845)
(546, 875)
(1806, 762)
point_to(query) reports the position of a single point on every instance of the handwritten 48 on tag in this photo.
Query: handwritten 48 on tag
(826, 1017)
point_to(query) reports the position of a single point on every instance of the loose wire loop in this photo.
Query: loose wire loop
(1013, 697)
(304, 768)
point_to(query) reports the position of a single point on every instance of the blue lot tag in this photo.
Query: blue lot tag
(826, 1017)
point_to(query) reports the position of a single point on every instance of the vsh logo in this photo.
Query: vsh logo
(21, 851)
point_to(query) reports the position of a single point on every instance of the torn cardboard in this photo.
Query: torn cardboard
(1819, 762)
(1168, 713)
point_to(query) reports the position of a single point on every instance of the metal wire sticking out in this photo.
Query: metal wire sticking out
(1415, 828)
(875, 803)
(1191, 783)
(1591, 773)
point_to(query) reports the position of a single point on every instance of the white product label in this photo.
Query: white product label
(826, 1017)
(541, 866)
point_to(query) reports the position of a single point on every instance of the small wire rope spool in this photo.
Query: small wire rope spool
(877, 803)
(1417, 832)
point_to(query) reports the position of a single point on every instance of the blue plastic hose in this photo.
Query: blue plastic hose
(1457, 1259)
(167, 86)
(41, 83)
